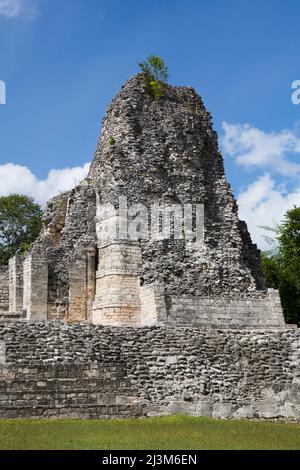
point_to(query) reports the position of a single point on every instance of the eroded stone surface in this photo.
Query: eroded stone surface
(203, 335)
(153, 152)
(54, 369)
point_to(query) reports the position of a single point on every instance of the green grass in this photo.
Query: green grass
(172, 432)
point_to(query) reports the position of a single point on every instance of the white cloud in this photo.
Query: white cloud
(14, 8)
(252, 147)
(10, 8)
(19, 179)
(264, 204)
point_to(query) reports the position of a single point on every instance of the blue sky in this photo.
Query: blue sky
(63, 61)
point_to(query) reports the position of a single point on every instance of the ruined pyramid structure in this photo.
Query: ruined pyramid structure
(157, 162)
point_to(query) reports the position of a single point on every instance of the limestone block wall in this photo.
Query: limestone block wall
(263, 311)
(153, 306)
(116, 295)
(69, 226)
(4, 300)
(51, 369)
(121, 298)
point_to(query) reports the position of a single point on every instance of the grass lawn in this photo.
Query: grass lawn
(172, 432)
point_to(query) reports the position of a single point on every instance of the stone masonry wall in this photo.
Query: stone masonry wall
(264, 311)
(52, 369)
(4, 289)
(153, 152)
(68, 236)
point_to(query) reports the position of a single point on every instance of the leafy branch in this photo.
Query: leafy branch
(155, 75)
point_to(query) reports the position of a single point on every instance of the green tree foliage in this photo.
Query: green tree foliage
(155, 75)
(20, 224)
(282, 265)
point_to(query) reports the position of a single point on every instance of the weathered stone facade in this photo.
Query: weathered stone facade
(164, 154)
(120, 326)
(58, 370)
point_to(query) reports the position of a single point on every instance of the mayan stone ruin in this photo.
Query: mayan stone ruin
(144, 294)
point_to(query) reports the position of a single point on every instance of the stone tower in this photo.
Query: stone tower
(152, 235)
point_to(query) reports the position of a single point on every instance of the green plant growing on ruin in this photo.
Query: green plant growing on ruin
(25, 248)
(156, 89)
(155, 75)
(111, 141)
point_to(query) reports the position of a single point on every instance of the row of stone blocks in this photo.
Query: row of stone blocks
(91, 399)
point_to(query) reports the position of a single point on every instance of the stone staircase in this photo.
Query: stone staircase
(64, 391)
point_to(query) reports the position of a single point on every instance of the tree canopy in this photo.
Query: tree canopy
(20, 224)
(282, 265)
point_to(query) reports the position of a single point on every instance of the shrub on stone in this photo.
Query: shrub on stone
(155, 75)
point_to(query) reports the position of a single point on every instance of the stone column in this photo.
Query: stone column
(4, 301)
(16, 284)
(91, 281)
(78, 287)
(35, 293)
(82, 285)
(117, 300)
(117, 297)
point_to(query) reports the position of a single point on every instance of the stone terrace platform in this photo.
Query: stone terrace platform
(52, 369)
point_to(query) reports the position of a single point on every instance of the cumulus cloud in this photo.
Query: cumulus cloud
(252, 147)
(19, 179)
(263, 203)
(14, 8)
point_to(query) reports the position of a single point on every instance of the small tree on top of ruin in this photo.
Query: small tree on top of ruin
(155, 75)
